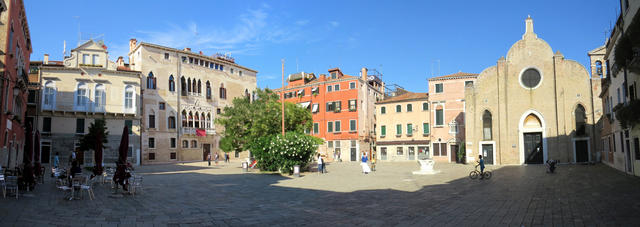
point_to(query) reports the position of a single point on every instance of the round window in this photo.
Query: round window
(530, 78)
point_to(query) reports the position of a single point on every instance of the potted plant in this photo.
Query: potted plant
(461, 154)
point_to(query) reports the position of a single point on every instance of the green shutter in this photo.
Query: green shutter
(425, 127)
(383, 130)
(337, 125)
(316, 128)
(409, 129)
(439, 118)
(409, 107)
(383, 110)
(329, 126)
(398, 129)
(425, 106)
(398, 108)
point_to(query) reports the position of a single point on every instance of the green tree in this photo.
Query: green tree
(95, 140)
(252, 125)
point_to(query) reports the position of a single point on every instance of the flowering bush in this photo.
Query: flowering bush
(278, 153)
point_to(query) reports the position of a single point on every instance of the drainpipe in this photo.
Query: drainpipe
(593, 117)
(179, 113)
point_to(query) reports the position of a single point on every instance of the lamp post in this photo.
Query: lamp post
(282, 97)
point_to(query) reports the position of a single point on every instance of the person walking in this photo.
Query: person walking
(365, 166)
(226, 157)
(209, 159)
(56, 160)
(216, 158)
(320, 164)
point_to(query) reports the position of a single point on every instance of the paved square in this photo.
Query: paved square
(197, 195)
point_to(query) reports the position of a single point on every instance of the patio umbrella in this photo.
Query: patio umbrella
(27, 154)
(97, 169)
(36, 151)
(27, 173)
(124, 146)
(121, 174)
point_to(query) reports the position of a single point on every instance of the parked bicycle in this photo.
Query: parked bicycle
(475, 173)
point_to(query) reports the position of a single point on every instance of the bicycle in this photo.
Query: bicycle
(475, 173)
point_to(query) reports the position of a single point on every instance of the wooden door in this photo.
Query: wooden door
(206, 150)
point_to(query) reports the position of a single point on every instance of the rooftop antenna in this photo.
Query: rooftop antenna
(64, 48)
(79, 33)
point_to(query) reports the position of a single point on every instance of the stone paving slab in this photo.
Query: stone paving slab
(193, 194)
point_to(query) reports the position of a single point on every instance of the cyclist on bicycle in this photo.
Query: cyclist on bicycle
(481, 164)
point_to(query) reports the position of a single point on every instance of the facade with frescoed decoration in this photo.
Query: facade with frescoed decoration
(342, 108)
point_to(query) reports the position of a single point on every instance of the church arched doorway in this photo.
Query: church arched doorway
(532, 144)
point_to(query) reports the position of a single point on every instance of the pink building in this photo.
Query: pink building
(446, 94)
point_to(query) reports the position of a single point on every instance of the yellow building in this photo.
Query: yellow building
(534, 105)
(403, 127)
(87, 86)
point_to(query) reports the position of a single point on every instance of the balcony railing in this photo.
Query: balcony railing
(192, 131)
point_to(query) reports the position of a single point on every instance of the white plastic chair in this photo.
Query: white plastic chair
(136, 184)
(3, 184)
(88, 186)
(12, 184)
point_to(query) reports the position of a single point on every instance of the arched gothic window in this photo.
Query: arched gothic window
(183, 86)
(189, 85)
(172, 84)
(487, 125)
(208, 120)
(151, 81)
(184, 119)
(196, 120)
(208, 90)
(190, 119)
(199, 87)
(581, 119)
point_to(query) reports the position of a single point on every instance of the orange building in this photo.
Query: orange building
(342, 107)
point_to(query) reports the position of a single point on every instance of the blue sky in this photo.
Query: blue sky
(408, 41)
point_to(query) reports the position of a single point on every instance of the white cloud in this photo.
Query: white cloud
(252, 28)
(334, 23)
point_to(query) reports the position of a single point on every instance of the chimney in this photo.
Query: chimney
(323, 77)
(200, 52)
(132, 44)
(363, 71)
(46, 59)
(187, 49)
(120, 61)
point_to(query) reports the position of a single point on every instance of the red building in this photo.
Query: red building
(15, 43)
(342, 107)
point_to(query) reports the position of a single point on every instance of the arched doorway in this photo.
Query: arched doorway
(533, 149)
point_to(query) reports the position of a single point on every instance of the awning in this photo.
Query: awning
(300, 91)
(314, 89)
(314, 108)
(304, 104)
